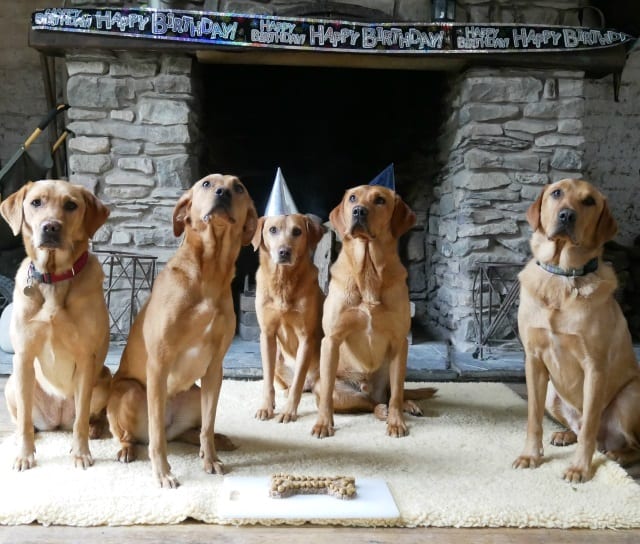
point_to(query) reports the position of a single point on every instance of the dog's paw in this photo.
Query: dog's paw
(397, 430)
(322, 430)
(82, 460)
(263, 414)
(24, 462)
(412, 408)
(576, 475)
(527, 461)
(127, 453)
(167, 481)
(624, 457)
(213, 466)
(381, 411)
(287, 417)
(563, 438)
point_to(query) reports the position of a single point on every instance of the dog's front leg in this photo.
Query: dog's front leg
(396, 425)
(537, 378)
(268, 350)
(82, 399)
(290, 412)
(25, 378)
(329, 353)
(580, 469)
(211, 383)
(156, 404)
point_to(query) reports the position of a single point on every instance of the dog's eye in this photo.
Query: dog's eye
(296, 231)
(36, 202)
(352, 198)
(273, 230)
(238, 188)
(70, 205)
(556, 194)
(379, 201)
(206, 184)
(589, 201)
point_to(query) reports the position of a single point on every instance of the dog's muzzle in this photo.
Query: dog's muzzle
(565, 223)
(284, 255)
(359, 220)
(221, 205)
(50, 235)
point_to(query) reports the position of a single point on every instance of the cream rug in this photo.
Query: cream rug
(454, 469)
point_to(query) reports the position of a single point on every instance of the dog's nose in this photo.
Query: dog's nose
(359, 212)
(567, 216)
(51, 227)
(284, 253)
(223, 192)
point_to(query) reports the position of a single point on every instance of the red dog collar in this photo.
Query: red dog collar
(54, 278)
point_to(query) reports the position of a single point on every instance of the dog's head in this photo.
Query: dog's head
(370, 212)
(288, 238)
(54, 215)
(574, 211)
(216, 200)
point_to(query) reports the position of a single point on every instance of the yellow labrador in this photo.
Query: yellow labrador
(366, 315)
(59, 324)
(579, 358)
(184, 330)
(289, 308)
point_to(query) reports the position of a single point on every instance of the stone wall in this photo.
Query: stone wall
(135, 145)
(612, 139)
(508, 134)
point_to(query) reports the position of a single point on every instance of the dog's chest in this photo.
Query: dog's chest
(198, 354)
(56, 367)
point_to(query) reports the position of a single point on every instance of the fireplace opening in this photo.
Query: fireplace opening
(328, 129)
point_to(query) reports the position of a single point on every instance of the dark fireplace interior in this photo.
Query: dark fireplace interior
(328, 129)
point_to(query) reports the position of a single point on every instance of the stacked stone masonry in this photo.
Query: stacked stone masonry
(508, 133)
(135, 126)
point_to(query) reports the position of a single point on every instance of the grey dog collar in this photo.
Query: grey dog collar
(591, 266)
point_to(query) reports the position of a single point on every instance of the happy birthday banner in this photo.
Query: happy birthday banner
(236, 30)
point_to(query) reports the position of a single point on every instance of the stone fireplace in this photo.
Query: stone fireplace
(471, 146)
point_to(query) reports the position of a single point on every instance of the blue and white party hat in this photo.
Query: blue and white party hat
(386, 178)
(280, 200)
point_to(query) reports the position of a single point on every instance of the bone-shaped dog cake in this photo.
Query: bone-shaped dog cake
(286, 485)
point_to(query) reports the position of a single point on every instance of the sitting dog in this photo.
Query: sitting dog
(184, 330)
(366, 315)
(289, 308)
(59, 324)
(579, 357)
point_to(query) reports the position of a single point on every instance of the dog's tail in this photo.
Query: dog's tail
(420, 393)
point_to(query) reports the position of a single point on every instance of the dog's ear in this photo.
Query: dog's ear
(315, 231)
(403, 218)
(96, 213)
(607, 227)
(256, 241)
(250, 225)
(337, 220)
(181, 213)
(11, 208)
(534, 211)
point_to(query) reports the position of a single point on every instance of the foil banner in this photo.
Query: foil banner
(290, 33)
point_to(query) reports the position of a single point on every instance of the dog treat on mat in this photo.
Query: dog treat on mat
(286, 485)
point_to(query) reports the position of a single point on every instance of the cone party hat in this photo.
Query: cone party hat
(386, 178)
(280, 200)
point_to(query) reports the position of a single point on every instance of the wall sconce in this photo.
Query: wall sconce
(443, 11)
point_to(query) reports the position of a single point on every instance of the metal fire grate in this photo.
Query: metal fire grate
(128, 281)
(496, 291)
